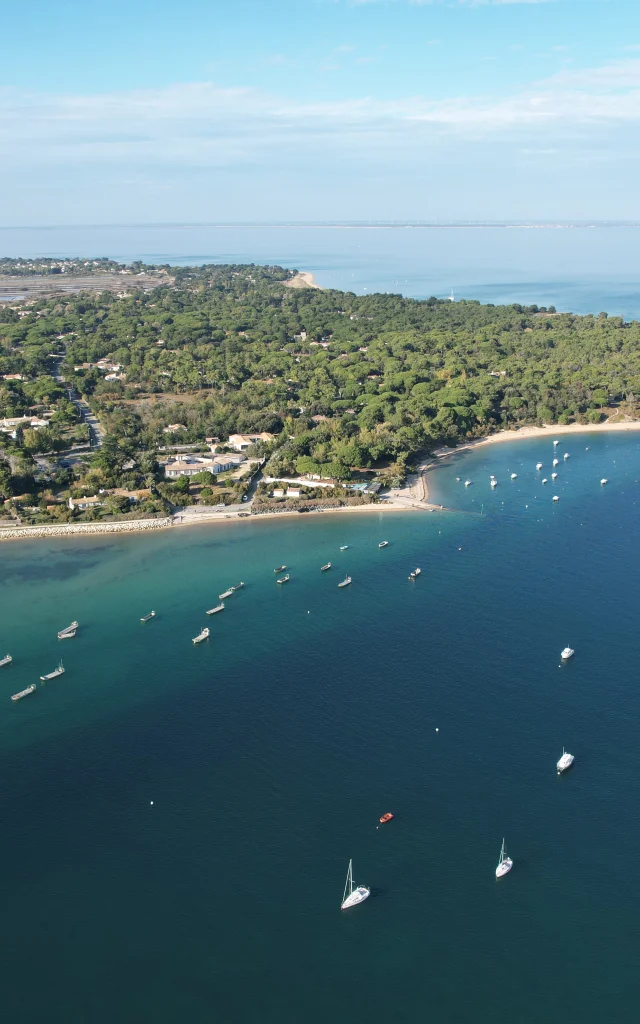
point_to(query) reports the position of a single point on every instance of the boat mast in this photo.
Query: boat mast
(502, 852)
(348, 887)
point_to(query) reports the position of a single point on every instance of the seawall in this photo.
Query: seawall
(70, 529)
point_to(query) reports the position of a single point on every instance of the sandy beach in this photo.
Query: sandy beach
(302, 280)
(522, 434)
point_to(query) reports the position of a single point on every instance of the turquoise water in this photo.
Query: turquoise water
(584, 270)
(270, 752)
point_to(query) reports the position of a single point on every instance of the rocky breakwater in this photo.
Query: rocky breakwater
(72, 529)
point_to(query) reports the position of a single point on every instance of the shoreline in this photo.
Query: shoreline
(523, 434)
(303, 279)
(141, 525)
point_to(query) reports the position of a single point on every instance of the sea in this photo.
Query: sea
(177, 820)
(585, 269)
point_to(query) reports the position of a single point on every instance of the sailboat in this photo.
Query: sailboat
(504, 864)
(353, 894)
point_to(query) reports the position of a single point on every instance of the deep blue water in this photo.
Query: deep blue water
(270, 752)
(584, 270)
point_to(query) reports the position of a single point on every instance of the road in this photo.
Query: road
(96, 432)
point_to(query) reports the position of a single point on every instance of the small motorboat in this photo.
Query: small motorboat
(538, 465)
(284, 579)
(323, 568)
(555, 498)
(565, 762)
(386, 817)
(413, 575)
(493, 482)
(281, 568)
(383, 544)
(544, 480)
(467, 483)
(566, 455)
(604, 481)
(514, 476)
(202, 635)
(344, 547)
(555, 444)
(346, 581)
(567, 653)
(24, 693)
(556, 461)
(68, 632)
(218, 608)
(145, 618)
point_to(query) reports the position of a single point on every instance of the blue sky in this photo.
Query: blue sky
(293, 110)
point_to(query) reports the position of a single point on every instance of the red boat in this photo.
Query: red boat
(386, 817)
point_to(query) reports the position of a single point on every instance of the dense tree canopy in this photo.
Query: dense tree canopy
(344, 381)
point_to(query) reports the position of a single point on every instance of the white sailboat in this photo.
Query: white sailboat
(504, 864)
(353, 894)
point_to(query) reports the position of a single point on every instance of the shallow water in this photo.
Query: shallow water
(270, 752)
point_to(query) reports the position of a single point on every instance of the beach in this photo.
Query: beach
(303, 279)
(523, 434)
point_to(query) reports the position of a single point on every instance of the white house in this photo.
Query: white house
(191, 465)
(243, 441)
(84, 503)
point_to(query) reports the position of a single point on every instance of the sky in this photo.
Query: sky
(220, 111)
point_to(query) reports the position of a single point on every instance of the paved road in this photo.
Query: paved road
(96, 432)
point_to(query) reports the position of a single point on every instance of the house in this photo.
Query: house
(294, 492)
(86, 503)
(191, 465)
(12, 376)
(243, 441)
(212, 440)
(11, 424)
(278, 492)
(173, 428)
(116, 376)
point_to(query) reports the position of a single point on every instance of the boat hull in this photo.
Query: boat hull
(358, 895)
(504, 868)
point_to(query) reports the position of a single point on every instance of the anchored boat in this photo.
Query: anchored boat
(386, 817)
(202, 635)
(53, 675)
(504, 864)
(238, 586)
(323, 568)
(284, 579)
(145, 618)
(68, 632)
(344, 547)
(218, 608)
(6, 660)
(24, 693)
(383, 544)
(281, 568)
(565, 762)
(227, 593)
(413, 575)
(346, 581)
(353, 894)
(567, 653)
